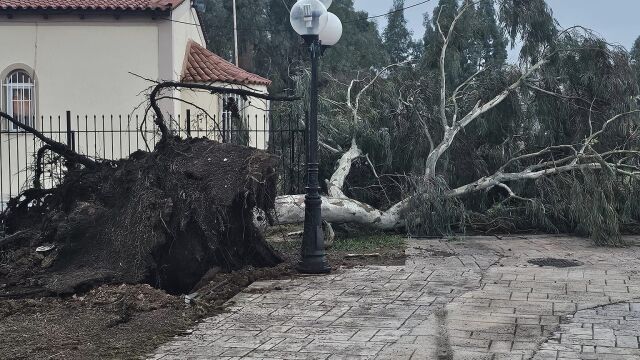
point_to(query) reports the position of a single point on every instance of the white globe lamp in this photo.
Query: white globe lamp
(309, 17)
(332, 32)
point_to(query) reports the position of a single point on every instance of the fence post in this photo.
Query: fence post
(71, 143)
(188, 122)
(224, 128)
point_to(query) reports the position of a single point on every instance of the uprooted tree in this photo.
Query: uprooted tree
(550, 145)
(163, 217)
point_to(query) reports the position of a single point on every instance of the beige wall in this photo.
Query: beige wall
(83, 66)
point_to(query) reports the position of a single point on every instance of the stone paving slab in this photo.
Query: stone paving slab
(477, 298)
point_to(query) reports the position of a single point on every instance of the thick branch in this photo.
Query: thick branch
(443, 55)
(494, 180)
(335, 184)
(54, 146)
(452, 131)
(290, 209)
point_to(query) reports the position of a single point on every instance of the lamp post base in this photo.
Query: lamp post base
(314, 259)
(314, 265)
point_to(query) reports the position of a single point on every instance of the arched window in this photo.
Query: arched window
(19, 97)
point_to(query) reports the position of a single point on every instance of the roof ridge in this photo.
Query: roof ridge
(90, 4)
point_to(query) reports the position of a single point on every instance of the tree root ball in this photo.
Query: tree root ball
(164, 217)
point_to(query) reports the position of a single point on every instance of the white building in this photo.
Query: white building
(79, 56)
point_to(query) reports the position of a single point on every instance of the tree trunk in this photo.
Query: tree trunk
(289, 209)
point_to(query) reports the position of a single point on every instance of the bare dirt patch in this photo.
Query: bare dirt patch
(129, 321)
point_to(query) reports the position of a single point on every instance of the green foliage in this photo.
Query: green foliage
(635, 58)
(530, 22)
(396, 37)
(594, 208)
(491, 40)
(592, 203)
(431, 212)
(360, 46)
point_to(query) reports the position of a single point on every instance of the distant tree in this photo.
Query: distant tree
(396, 37)
(361, 46)
(491, 38)
(217, 26)
(635, 57)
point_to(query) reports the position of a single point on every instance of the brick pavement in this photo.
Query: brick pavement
(472, 299)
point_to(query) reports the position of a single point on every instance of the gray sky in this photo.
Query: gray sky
(615, 20)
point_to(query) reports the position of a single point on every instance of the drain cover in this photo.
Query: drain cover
(559, 263)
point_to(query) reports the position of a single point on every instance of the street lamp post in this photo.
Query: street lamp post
(319, 29)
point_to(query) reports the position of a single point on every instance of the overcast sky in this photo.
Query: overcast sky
(615, 20)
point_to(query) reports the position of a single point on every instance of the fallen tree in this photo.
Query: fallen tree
(458, 108)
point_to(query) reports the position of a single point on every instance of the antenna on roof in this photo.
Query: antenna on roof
(235, 33)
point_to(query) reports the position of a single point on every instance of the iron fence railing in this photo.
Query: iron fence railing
(115, 137)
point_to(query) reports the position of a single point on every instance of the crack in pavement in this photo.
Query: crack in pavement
(572, 321)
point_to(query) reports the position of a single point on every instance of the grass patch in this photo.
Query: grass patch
(370, 243)
(287, 245)
(391, 250)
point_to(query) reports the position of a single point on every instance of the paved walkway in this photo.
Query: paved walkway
(478, 298)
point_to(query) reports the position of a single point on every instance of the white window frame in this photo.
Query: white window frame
(21, 81)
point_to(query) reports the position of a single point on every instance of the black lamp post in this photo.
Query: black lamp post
(318, 28)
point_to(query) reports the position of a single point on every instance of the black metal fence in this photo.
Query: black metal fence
(115, 137)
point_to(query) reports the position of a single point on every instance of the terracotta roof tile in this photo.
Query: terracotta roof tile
(89, 4)
(201, 65)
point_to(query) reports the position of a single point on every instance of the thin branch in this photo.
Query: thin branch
(512, 195)
(558, 95)
(159, 119)
(589, 141)
(207, 115)
(355, 107)
(454, 97)
(538, 153)
(328, 147)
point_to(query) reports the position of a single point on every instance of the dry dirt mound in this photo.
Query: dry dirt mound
(162, 218)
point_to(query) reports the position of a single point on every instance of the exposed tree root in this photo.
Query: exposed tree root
(164, 217)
